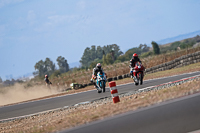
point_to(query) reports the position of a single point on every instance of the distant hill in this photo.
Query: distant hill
(74, 64)
(178, 38)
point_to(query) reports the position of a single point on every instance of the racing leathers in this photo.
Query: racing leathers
(132, 64)
(47, 81)
(94, 75)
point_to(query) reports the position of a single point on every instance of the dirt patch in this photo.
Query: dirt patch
(17, 93)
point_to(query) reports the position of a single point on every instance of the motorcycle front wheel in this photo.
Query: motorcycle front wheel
(136, 80)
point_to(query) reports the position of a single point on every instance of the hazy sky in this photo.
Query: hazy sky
(31, 30)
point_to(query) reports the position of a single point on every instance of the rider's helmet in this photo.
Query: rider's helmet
(46, 76)
(98, 65)
(135, 56)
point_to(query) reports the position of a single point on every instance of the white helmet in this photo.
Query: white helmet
(99, 65)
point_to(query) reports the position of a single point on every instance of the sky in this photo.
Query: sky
(32, 30)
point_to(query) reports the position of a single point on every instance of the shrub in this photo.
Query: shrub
(55, 74)
(117, 61)
(146, 54)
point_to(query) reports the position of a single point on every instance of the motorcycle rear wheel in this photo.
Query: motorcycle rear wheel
(103, 86)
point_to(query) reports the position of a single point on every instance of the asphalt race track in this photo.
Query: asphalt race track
(57, 102)
(177, 116)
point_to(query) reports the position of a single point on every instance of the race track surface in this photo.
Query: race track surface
(57, 102)
(177, 116)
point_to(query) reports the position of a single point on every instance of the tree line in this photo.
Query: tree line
(142, 48)
(112, 54)
(106, 55)
(48, 67)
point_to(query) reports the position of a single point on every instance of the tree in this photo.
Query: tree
(45, 67)
(130, 52)
(156, 48)
(85, 58)
(104, 60)
(49, 66)
(94, 63)
(106, 49)
(1, 80)
(174, 45)
(99, 52)
(56, 73)
(122, 58)
(112, 52)
(63, 65)
(117, 50)
(143, 47)
(91, 54)
(109, 59)
(113, 47)
(40, 67)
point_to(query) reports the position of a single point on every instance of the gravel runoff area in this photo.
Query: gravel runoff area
(85, 112)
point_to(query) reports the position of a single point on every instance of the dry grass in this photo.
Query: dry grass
(56, 121)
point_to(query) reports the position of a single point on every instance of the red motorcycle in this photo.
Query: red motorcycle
(138, 73)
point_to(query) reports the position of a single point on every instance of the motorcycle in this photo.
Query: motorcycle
(138, 71)
(101, 82)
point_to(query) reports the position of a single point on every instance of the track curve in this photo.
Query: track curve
(67, 100)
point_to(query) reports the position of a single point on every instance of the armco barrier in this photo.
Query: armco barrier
(114, 92)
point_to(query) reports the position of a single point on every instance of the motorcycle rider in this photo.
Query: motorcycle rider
(132, 64)
(97, 69)
(47, 80)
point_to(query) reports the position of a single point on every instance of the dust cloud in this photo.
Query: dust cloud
(18, 93)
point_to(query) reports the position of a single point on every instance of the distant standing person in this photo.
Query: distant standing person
(47, 80)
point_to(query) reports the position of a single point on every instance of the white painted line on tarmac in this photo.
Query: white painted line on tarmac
(162, 77)
(94, 90)
(169, 82)
(197, 131)
(146, 88)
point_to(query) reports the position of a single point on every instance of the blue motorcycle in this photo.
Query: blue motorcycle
(101, 82)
